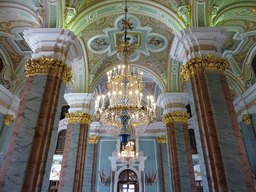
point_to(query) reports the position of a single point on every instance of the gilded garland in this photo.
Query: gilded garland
(46, 66)
(79, 117)
(176, 117)
(203, 64)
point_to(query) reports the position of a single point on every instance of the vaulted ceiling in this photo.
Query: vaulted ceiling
(95, 22)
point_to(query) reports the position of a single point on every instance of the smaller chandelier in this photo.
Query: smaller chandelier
(128, 155)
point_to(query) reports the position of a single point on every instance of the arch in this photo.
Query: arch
(128, 179)
(123, 169)
(143, 7)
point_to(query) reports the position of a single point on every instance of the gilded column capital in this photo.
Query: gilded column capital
(8, 119)
(176, 117)
(46, 66)
(161, 139)
(93, 139)
(247, 119)
(78, 117)
(208, 63)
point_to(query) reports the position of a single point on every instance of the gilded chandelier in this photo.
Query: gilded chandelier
(125, 116)
(125, 113)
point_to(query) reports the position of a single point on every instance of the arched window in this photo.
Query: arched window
(60, 142)
(254, 64)
(1, 65)
(128, 181)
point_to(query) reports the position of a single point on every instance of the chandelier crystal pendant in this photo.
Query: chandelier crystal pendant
(125, 116)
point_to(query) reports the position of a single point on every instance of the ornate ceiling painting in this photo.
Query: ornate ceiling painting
(156, 22)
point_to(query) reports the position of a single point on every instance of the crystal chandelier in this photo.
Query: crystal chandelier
(128, 155)
(125, 116)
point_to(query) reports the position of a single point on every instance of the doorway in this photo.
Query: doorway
(128, 181)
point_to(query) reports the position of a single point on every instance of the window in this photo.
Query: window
(192, 141)
(128, 181)
(254, 64)
(60, 142)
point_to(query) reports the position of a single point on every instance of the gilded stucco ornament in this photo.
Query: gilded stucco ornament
(46, 66)
(208, 63)
(79, 117)
(93, 139)
(8, 119)
(161, 139)
(247, 119)
(176, 117)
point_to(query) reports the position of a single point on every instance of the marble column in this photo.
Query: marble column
(176, 119)
(74, 156)
(227, 161)
(26, 158)
(90, 164)
(72, 169)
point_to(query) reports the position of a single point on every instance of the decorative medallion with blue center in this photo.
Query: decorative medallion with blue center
(140, 36)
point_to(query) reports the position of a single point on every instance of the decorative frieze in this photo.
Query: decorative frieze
(176, 117)
(8, 119)
(247, 119)
(46, 66)
(78, 117)
(93, 139)
(208, 63)
(161, 139)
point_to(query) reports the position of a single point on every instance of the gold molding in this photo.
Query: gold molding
(93, 139)
(208, 63)
(8, 119)
(79, 117)
(176, 117)
(247, 119)
(46, 66)
(161, 139)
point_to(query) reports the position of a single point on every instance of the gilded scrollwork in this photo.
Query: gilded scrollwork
(48, 66)
(79, 117)
(208, 63)
(8, 119)
(161, 139)
(176, 117)
(93, 139)
(247, 119)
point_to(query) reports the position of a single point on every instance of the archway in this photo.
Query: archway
(128, 181)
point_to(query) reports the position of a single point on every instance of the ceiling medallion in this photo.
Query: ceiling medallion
(140, 37)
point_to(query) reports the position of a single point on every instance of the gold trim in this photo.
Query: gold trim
(161, 139)
(208, 63)
(247, 119)
(93, 139)
(176, 117)
(8, 119)
(46, 66)
(79, 117)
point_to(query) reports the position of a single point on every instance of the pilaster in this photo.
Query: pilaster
(90, 164)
